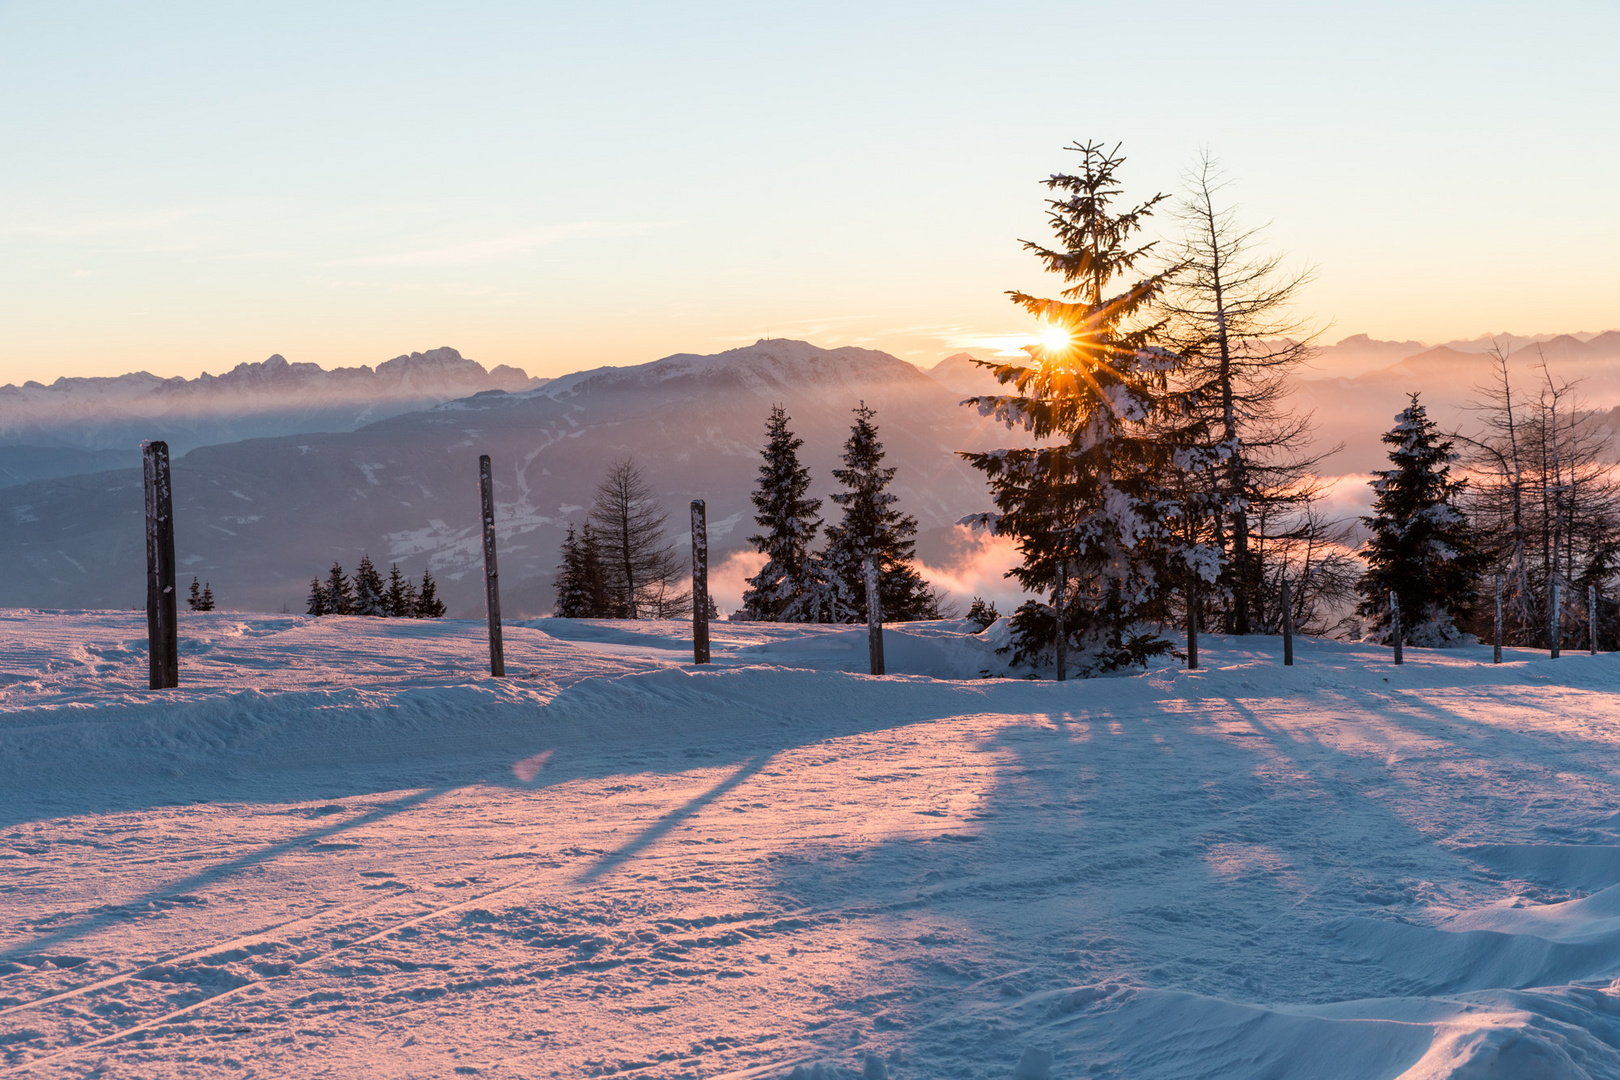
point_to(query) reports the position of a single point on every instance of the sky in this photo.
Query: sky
(189, 186)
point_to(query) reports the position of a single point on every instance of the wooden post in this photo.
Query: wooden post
(874, 618)
(492, 582)
(1555, 629)
(1591, 617)
(1062, 631)
(162, 629)
(1192, 627)
(700, 583)
(1287, 625)
(1496, 644)
(1395, 623)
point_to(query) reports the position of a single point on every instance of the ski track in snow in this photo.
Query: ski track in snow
(314, 859)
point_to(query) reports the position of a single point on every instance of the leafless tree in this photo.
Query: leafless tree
(642, 571)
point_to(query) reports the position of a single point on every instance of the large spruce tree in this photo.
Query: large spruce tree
(370, 595)
(873, 527)
(1100, 498)
(788, 521)
(1422, 547)
(339, 593)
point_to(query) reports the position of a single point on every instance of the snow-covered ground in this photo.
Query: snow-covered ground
(342, 849)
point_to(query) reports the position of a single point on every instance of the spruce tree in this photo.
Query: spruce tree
(788, 519)
(369, 591)
(194, 598)
(1422, 547)
(1099, 498)
(206, 601)
(871, 527)
(317, 598)
(572, 583)
(339, 595)
(428, 604)
(397, 604)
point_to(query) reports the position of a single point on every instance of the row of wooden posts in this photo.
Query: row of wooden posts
(163, 629)
(161, 612)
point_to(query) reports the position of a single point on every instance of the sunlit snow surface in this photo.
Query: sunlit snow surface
(319, 857)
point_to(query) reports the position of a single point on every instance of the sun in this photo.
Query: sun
(1055, 339)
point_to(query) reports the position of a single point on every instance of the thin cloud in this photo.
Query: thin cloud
(504, 246)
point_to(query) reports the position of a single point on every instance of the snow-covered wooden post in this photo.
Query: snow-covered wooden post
(1192, 627)
(162, 630)
(1062, 631)
(874, 618)
(1555, 629)
(1496, 643)
(700, 583)
(1395, 623)
(492, 583)
(1287, 625)
(1591, 617)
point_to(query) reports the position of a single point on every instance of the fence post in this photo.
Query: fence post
(1287, 625)
(874, 618)
(700, 583)
(1496, 645)
(1062, 631)
(1591, 616)
(1395, 623)
(1192, 626)
(492, 583)
(1555, 629)
(162, 630)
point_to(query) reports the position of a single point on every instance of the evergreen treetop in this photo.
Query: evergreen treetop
(428, 604)
(339, 594)
(788, 520)
(369, 591)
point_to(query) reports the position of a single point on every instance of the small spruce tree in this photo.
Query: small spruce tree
(572, 583)
(369, 591)
(339, 594)
(1422, 547)
(872, 527)
(396, 603)
(317, 598)
(788, 519)
(428, 604)
(206, 601)
(194, 598)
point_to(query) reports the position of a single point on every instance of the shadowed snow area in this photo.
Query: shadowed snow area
(320, 857)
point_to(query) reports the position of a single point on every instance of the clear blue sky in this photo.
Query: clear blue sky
(185, 186)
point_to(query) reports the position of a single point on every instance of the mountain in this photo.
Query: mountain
(99, 415)
(259, 518)
(962, 375)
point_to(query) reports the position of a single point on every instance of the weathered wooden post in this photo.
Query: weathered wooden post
(1062, 631)
(492, 582)
(874, 618)
(162, 629)
(1496, 644)
(700, 583)
(1591, 617)
(1287, 625)
(1395, 623)
(1555, 629)
(1192, 627)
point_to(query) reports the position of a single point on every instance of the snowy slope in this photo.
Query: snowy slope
(258, 519)
(341, 849)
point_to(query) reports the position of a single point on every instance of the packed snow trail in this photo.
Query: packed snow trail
(315, 858)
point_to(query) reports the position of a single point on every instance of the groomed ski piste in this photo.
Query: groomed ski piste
(342, 849)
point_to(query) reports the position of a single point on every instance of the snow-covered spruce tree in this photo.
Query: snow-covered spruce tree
(575, 598)
(428, 604)
(397, 601)
(872, 527)
(1101, 497)
(339, 594)
(205, 602)
(788, 520)
(1422, 547)
(194, 597)
(370, 596)
(317, 598)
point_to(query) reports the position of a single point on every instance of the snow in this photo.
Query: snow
(342, 849)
